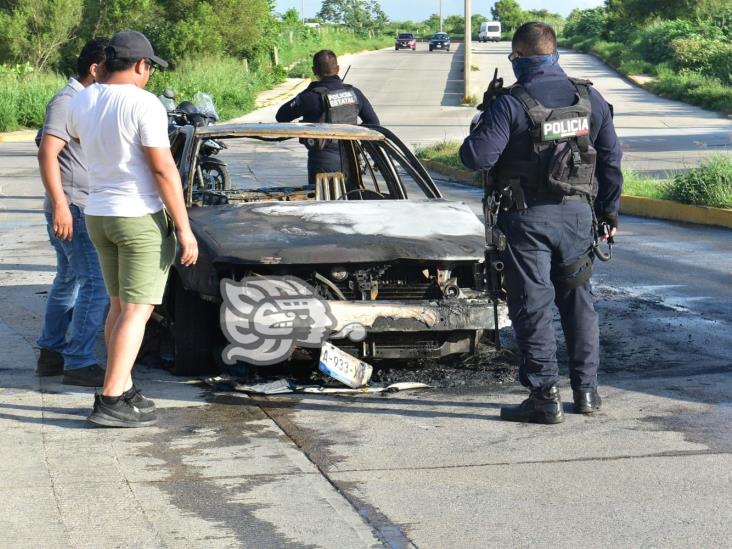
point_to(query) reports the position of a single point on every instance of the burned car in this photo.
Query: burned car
(376, 241)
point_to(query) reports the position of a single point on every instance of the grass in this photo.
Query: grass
(24, 96)
(226, 80)
(23, 99)
(445, 152)
(709, 184)
(646, 187)
(297, 56)
(704, 91)
(688, 86)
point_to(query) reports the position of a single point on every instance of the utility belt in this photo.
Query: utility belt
(514, 196)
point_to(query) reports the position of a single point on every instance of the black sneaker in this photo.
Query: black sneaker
(135, 397)
(88, 376)
(50, 363)
(119, 414)
(542, 406)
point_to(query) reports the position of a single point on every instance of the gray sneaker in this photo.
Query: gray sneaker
(88, 376)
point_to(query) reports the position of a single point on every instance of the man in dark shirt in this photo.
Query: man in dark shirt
(312, 105)
(550, 236)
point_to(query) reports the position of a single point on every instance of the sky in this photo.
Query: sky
(419, 10)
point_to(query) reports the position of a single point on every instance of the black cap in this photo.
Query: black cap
(131, 44)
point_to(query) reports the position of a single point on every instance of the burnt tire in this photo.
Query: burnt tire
(195, 332)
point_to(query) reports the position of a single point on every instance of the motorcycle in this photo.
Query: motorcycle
(211, 173)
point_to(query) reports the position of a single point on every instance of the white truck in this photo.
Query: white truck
(490, 31)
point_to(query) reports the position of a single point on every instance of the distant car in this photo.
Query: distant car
(405, 40)
(440, 41)
(490, 31)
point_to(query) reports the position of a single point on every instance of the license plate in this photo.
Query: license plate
(343, 367)
(439, 45)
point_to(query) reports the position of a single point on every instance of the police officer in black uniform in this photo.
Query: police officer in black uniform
(553, 153)
(327, 99)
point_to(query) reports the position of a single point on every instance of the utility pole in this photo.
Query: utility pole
(468, 46)
(440, 15)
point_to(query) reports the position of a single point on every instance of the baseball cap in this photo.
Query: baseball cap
(131, 44)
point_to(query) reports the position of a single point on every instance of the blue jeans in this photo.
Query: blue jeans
(77, 302)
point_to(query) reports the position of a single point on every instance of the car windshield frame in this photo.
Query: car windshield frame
(440, 36)
(387, 153)
(405, 36)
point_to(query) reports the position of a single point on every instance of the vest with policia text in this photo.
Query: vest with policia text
(339, 107)
(561, 159)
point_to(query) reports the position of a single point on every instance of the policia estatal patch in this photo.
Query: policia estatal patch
(341, 98)
(552, 130)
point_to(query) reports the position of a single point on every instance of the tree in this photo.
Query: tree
(291, 17)
(358, 15)
(35, 30)
(509, 13)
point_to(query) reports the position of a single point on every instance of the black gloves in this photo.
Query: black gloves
(610, 218)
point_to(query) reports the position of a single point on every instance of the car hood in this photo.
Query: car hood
(339, 231)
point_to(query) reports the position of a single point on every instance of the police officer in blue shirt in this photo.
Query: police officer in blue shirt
(552, 151)
(329, 100)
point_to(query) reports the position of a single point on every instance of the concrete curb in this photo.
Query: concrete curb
(631, 205)
(666, 209)
(19, 136)
(300, 86)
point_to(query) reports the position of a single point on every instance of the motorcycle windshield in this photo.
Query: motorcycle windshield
(205, 105)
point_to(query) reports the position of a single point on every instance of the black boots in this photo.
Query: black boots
(542, 406)
(88, 376)
(50, 363)
(586, 402)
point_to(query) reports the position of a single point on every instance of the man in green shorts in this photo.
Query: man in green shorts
(135, 211)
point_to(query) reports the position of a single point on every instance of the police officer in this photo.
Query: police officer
(552, 148)
(327, 99)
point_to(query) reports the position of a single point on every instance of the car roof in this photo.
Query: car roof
(345, 132)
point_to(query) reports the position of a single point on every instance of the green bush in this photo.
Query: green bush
(590, 22)
(656, 38)
(612, 52)
(635, 66)
(708, 185)
(711, 57)
(694, 88)
(24, 96)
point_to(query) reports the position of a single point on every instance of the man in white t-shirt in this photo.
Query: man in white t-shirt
(134, 191)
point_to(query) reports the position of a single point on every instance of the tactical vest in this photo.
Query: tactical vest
(561, 161)
(339, 106)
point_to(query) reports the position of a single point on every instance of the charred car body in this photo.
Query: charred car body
(376, 241)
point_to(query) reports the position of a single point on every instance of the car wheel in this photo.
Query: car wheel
(431, 49)
(195, 328)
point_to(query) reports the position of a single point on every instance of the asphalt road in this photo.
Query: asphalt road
(430, 469)
(417, 94)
